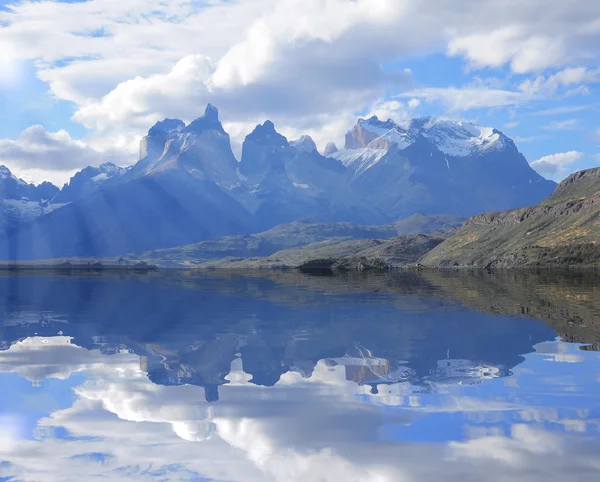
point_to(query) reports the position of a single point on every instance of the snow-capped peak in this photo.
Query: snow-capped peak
(304, 144)
(110, 167)
(453, 138)
(5, 173)
(460, 138)
(370, 139)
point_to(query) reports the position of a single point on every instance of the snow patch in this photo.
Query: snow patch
(239, 175)
(380, 131)
(359, 160)
(103, 176)
(461, 139)
(453, 138)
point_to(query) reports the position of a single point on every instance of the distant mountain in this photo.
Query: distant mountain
(12, 187)
(434, 166)
(188, 187)
(87, 181)
(561, 231)
(20, 201)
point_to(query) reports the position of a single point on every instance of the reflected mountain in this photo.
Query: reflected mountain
(426, 328)
(278, 377)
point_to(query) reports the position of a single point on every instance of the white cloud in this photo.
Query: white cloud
(468, 97)
(565, 109)
(123, 426)
(38, 154)
(574, 76)
(596, 134)
(414, 103)
(562, 125)
(301, 63)
(556, 164)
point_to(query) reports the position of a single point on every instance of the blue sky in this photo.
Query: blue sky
(95, 75)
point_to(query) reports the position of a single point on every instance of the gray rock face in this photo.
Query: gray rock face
(153, 145)
(288, 181)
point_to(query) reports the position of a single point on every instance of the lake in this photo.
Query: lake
(285, 376)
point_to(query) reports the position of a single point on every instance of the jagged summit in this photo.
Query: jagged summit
(12, 187)
(266, 134)
(209, 121)
(166, 127)
(188, 186)
(6, 174)
(304, 144)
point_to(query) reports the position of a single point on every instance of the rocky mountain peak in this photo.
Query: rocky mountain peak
(266, 134)
(211, 112)
(452, 138)
(166, 127)
(5, 173)
(209, 121)
(330, 149)
(109, 167)
(304, 144)
(152, 146)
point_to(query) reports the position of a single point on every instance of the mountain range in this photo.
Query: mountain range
(188, 186)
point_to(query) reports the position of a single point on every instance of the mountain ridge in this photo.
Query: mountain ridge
(561, 231)
(188, 186)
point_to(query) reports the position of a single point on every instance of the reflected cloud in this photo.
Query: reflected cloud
(207, 384)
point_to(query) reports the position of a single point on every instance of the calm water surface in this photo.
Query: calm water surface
(292, 377)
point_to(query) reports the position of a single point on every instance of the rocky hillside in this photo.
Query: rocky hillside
(340, 253)
(562, 231)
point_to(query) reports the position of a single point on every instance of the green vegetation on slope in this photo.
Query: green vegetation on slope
(342, 254)
(562, 231)
(321, 239)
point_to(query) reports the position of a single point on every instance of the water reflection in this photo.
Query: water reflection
(224, 376)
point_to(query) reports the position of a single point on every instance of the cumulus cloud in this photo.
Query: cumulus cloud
(574, 76)
(556, 164)
(300, 63)
(37, 153)
(121, 424)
